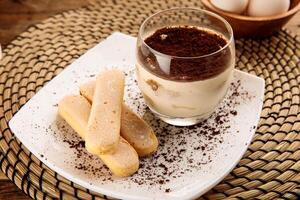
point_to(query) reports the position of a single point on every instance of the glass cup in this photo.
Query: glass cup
(174, 95)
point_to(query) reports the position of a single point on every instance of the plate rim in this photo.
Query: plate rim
(192, 192)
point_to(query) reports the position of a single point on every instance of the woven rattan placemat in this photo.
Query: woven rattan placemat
(269, 169)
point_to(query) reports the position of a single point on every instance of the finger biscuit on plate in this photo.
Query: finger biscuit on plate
(76, 110)
(134, 129)
(87, 90)
(137, 132)
(104, 124)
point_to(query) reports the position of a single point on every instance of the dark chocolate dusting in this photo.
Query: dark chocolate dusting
(186, 42)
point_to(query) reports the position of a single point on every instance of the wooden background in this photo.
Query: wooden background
(16, 16)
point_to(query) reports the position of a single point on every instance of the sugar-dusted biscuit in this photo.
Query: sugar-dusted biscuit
(104, 124)
(138, 133)
(134, 129)
(76, 110)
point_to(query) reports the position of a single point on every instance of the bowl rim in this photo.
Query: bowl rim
(290, 12)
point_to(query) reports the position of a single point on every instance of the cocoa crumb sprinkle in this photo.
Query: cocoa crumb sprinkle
(182, 150)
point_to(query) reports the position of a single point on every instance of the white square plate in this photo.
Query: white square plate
(189, 161)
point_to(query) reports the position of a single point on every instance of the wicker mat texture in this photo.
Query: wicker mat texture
(271, 166)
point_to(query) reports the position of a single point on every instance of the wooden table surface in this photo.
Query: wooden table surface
(16, 16)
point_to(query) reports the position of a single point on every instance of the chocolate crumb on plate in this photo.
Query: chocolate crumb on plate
(182, 151)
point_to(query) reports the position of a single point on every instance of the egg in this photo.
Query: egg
(234, 6)
(263, 8)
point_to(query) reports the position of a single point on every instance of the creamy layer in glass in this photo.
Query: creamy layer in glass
(184, 70)
(183, 99)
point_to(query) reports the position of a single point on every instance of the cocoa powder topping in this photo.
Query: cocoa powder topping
(186, 44)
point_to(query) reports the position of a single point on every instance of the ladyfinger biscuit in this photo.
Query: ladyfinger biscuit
(137, 132)
(104, 124)
(134, 129)
(76, 110)
(87, 90)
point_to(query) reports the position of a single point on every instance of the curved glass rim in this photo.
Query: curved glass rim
(227, 25)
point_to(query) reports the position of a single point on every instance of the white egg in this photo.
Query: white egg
(234, 6)
(263, 8)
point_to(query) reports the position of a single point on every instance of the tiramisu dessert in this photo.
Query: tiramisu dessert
(184, 71)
